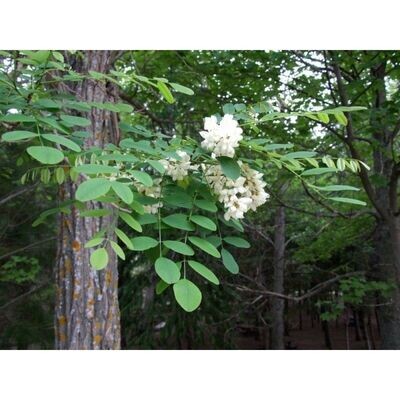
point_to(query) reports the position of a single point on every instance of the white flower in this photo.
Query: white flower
(221, 139)
(152, 191)
(178, 169)
(240, 195)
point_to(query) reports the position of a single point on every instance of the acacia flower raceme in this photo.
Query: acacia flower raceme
(178, 169)
(221, 138)
(240, 195)
(152, 191)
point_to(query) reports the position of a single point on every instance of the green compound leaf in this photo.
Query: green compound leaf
(147, 219)
(299, 154)
(75, 121)
(204, 271)
(14, 136)
(161, 286)
(166, 93)
(92, 189)
(62, 140)
(179, 247)
(230, 167)
(17, 118)
(204, 222)
(45, 155)
(157, 166)
(124, 239)
(179, 221)
(94, 242)
(338, 188)
(93, 169)
(341, 118)
(206, 205)
(60, 175)
(130, 221)
(117, 249)
(99, 259)
(182, 89)
(167, 270)
(122, 191)
(187, 295)
(205, 246)
(318, 171)
(142, 177)
(136, 206)
(233, 223)
(237, 242)
(141, 243)
(348, 200)
(229, 262)
(214, 240)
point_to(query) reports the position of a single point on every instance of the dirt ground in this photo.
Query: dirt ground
(309, 335)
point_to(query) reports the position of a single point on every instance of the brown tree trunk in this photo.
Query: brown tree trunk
(87, 311)
(384, 198)
(326, 331)
(386, 268)
(278, 305)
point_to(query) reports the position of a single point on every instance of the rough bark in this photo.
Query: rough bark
(278, 304)
(87, 310)
(385, 270)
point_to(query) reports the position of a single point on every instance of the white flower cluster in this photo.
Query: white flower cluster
(221, 139)
(152, 191)
(240, 195)
(178, 169)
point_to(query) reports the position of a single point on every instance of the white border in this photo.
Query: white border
(192, 375)
(205, 24)
(200, 24)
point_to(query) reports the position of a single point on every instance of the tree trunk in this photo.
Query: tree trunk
(326, 331)
(386, 257)
(87, 311)
(386, 268)
(278, 305)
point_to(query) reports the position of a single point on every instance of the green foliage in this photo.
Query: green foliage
(132, 167)
(45, 155)
(20, 269)
(93, 189)
(141, 243)
(179, 247)
(179, 221)
(99, 259)
(132, 222)
(16, 136)
(353, 291)
(123, 192)
(237, 242)
(204, 271)
(187, 294)
(204, 222)
(205, 245)
(167, 270)
(229, 262)
(229, 167)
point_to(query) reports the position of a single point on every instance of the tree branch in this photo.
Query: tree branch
(312, 292)
(22, 296)
(16, 193)
(143, 110)
(349, 139)
(29, 246)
